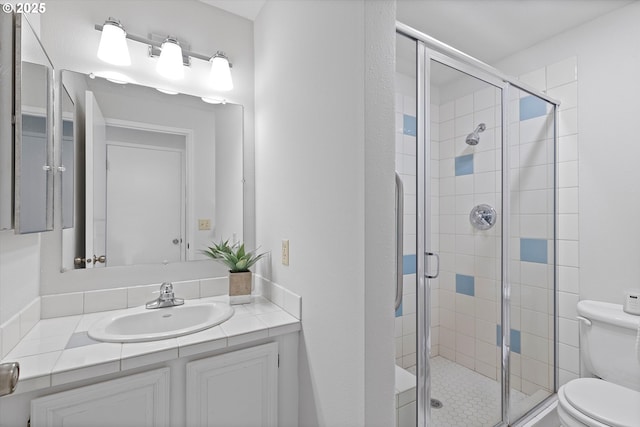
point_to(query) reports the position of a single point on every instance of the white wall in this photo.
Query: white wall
(324, 158)
(19, 272)
(608, 62)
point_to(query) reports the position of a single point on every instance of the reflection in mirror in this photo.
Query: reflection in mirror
(68, 158)
(162, 174)
(33, 139)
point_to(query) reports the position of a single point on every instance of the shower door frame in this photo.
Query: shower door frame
(429, 49)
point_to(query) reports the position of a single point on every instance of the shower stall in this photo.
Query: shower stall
(476, 154)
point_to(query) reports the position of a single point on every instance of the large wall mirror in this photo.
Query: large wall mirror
(155, 177)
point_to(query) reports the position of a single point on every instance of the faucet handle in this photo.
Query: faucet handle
(166, 288)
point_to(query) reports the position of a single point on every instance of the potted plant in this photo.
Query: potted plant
(238, 260)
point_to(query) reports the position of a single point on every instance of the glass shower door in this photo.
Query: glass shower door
(477, 153)
(464, 227)
(532, 251)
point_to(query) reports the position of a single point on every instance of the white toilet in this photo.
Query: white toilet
(609, 340)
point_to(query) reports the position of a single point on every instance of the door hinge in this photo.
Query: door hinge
(278, 360)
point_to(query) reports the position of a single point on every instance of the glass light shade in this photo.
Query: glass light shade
(113, 47)
(213, 100)
(170, 61)
(221, 73)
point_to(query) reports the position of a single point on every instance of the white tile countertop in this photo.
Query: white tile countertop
(59, 351)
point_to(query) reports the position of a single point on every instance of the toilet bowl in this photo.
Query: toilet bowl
(596, 403)
(610, 351)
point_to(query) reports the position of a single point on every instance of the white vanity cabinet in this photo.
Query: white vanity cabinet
(234, 389)
(251, 384)
(137, 400)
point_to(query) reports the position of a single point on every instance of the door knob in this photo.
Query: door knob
(101, 258)
(9, 374)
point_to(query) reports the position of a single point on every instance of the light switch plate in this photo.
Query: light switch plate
(204, 224)
(285, 252)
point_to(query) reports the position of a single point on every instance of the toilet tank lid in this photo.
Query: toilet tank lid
(608, 313)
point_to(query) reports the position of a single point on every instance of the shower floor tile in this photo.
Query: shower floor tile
(469, 399)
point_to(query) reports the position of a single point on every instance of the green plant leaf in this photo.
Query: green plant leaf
(235, 257)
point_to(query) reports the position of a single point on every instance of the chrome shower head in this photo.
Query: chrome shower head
(474, 137)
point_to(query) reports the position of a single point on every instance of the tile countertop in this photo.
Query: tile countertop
(59, 351)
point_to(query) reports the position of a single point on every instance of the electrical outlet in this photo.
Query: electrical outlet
(285, 252)
(204, 224)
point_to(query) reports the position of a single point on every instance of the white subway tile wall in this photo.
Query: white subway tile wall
(466, 297)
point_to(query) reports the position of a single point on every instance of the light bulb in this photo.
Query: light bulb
(170, 61)
(221, 72)
(113, 44)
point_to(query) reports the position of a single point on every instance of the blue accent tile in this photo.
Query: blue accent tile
(532, 107)
(515, 341)
(464, 165)
(514, 338)
(399, 310)
(533, 250)
(409, 264)
(465, 285)
(409, 125)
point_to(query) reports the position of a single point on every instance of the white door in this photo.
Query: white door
(145, 204)
(95, 193)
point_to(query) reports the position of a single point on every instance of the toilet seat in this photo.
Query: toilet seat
(594, 402)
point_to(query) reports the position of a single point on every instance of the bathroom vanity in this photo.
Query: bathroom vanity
(241, 372)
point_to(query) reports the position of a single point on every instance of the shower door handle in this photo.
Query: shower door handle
(399, 241)
(437, 272)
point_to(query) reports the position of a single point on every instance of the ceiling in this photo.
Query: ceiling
(490, 30)
(246, 8)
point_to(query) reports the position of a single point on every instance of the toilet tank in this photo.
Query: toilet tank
(609, 345)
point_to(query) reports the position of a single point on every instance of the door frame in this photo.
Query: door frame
(187, 191)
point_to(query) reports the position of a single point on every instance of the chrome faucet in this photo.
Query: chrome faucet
(166, 298)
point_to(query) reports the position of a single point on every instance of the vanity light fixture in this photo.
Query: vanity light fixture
(167, 91)
(113, 77)
(170, 62)
(172, 56)
(221, 72)
(113, 44)
(213, 100)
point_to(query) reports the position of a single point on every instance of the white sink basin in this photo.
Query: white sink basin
(140, 324)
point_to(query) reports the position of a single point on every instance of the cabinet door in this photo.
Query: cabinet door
(234, 389)
(33, 132)
(140, 400)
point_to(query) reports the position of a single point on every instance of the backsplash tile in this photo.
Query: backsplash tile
(104, 300)
(282, 297)
(187, 290)
(62, 305)
(139, 295)
(214, 287)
